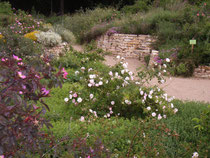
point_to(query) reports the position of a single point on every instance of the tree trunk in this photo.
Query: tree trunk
(62, 6)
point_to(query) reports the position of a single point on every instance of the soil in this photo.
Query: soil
(186, 89)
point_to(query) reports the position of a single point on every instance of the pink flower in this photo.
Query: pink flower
(21, 63)
(16, 57)
(21, 75)
(198, 14)
(75, 95)
(37, 76)
(64, 73)
(3, 59)
(20, 92)
(1, 156)
(45, 92)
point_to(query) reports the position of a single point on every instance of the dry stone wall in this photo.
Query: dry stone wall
(127, 45)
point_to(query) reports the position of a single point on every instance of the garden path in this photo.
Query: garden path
(191, 89)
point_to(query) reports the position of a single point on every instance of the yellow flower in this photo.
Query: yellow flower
(31, 35)
(2, 37)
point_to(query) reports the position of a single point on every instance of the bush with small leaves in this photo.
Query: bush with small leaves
(49, 38)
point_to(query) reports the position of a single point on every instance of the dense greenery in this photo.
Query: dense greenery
(173, 22)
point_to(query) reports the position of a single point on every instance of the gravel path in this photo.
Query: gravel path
(191, 89)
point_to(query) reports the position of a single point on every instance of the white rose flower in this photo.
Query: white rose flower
(79, 100)
(159, 117)
(122, 72)
(127, 78)
(153, 114)
(125, 66)
(130, 73)
(76, 72)
(164, 65)
(118, 57)
(162, 81)
(82, 68)
(175, 110)
(70, 96)
(112, 102)
(172, 105)
(92, 81)
(167, 60)
(89, 85)
(128, 102)
(90, 110)
(82, 119)
(195, 155)
(100, 83)
(148, 108)
(110, 73)
(141, 92)
(66, 99)
(91, 96)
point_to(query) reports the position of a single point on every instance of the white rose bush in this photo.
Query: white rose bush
(117, 89)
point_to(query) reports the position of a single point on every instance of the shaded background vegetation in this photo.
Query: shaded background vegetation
(48, 6)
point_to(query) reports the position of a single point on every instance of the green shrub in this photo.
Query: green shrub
(66, 35)
(23, 47)
(6, 16)
(139, 6)
(82, 22)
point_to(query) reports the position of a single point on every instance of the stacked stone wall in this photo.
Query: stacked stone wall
(127, 45)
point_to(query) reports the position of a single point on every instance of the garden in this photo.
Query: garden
(69, 104)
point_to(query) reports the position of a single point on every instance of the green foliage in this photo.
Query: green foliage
(66, 35)
(23, 47)
(139, 6)
(82, 22)
(5, 14)
(203, 121)
(190, 139)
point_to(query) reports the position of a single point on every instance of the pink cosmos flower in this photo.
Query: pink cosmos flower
(3, 59)
(64, 73)
(21, 75)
